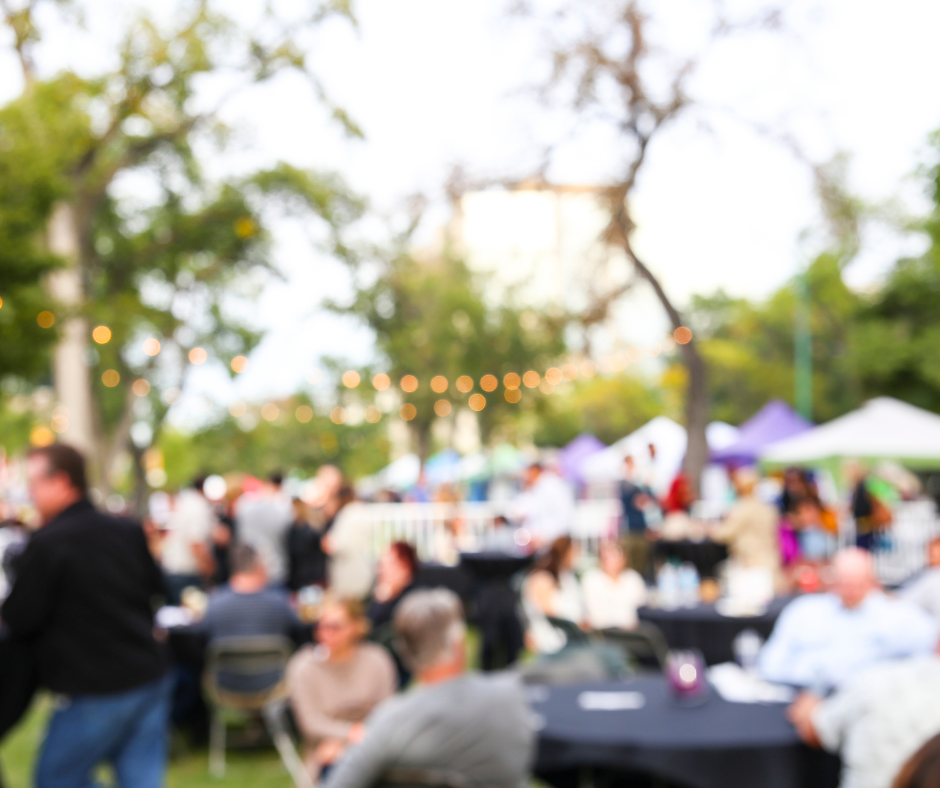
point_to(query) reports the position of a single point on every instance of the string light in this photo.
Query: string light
(489, 383)
(553, 376)
(140, 387)
(239, 364)
(110, 378)
(270, 412)
(381, 382)
(338, 415)
(512, 381)
(683, 335)
(304, 414)
(513, 395)
(238, 409)
(151, 346)
(373, 414)
(409, 383)
(464, 384)
(198, 356)
(101, 335)
(408, 411)
(45, 319)
(477, 402)
(351, 379)
(439, 384)
(442, 408)
(531, 379)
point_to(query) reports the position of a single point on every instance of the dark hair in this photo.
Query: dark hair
(922, 769)
(552, 561)
(405, 553)
(276, 478)
(61, 458)
(244, 558)
(199, 482)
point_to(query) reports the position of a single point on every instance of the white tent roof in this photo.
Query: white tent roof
(883, 428)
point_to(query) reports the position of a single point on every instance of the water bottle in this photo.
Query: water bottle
(667, 584)
(747, 646)
(688, 585)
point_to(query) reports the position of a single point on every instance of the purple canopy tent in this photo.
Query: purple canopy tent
(772, 423)
(572, 457)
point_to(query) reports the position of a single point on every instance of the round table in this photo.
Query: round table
(704, 628)
(704, 555)
(713, 745)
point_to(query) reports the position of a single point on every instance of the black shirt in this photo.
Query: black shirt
(84, 592)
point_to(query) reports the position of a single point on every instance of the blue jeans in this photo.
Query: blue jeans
(126, 729)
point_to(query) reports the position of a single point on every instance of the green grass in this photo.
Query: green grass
(188, 769)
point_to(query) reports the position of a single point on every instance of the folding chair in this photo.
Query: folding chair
(645, 644)
(248, 674)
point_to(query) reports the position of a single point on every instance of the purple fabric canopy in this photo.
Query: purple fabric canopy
(772, 423)
(572, 457)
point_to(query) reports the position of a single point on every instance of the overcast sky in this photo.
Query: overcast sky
(434, 83)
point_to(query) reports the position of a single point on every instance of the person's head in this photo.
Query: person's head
(532, 473)
(398, 566)
(276, 480)
(922, 769)
(248, 572)
(560, 557)
(199, 483)
(301, 512)
(794, 481)
(430, 630)
(745, 481)
(342, 625)
(853, 576)
(933, 552)
(500, 521)
(612, 558)
(56, 479)
(629, 466)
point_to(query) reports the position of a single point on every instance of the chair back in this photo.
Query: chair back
(645, 644)
(572, 632)
(247, 672)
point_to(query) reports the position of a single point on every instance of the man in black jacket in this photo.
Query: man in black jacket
(84, 596)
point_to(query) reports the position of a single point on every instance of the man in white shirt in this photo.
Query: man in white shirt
(262, 522)
(187, 551)
(876, 721)
(822, 640)
(612, 593)
(546, 508)
(924, 589)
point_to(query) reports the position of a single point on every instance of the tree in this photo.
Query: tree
(749, 347)
(430, 319)
(158, 265)
(897, 334)
(606, 69)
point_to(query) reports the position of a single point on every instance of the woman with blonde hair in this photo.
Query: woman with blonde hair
(335, 684)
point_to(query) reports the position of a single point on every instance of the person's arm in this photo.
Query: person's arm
(539, 588)
(363, 764)
(778, 658)
(31, 601)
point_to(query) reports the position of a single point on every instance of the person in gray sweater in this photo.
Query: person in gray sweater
(455, 726)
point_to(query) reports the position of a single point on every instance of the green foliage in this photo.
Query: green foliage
(284, 444)
(750, 347)
(430, 318)
(608, 407)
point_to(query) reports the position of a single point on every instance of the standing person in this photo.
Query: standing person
(870, 514)
(547, 507)
(349, 568)
(187, 555)
(635, 497)
(306, 559)
(262, 522)
(750, 527)
(83, 594)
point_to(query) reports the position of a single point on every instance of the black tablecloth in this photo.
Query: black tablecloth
(714, 745)
(705, 555)
(704, 628)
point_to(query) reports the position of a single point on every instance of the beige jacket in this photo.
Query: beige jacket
(750, 531)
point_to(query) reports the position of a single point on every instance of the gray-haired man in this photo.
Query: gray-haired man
(467, 728)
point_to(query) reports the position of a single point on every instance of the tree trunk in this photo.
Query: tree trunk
(70, 372)
(696, 405)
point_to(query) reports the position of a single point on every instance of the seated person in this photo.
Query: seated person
(553, 590)
(924, 589)
(922, 769)
(471, 727)
(876, 720)
(822, 640)
(612, 593)
(395, 577)
(247, 607)
(336, 684)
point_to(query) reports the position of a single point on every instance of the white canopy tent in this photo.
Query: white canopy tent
(883, 428)
(669, 440)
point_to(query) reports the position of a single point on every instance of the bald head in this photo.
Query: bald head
(854, 576)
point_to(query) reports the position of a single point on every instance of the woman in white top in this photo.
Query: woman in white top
(612, 593)
(553, 590)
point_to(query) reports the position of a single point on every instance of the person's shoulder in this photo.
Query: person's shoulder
(592, 576)
(376, 655)
(811, 603)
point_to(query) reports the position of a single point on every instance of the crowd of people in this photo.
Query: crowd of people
(85, 587)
